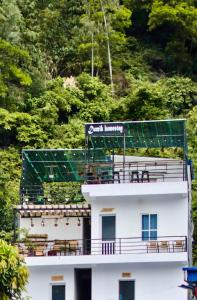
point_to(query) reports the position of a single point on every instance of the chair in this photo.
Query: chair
(74, 246)
(164, 246)
(152, 246)
(105, 177)
(145, 176)
(179, 246)
(39, 250)
(116, 176)
(90, 178)
(134, 176)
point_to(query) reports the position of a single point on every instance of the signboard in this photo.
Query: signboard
(104, 129)
(126, 274)
(57, 278)
(107, 209)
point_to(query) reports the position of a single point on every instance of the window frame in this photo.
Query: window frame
(101, 225)
(149, 230)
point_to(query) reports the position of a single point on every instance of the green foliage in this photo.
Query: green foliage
(10, 21)
(180, 13)
(10, 172)
(146, 102)
(180, 19)
(11, 72)
(179, 94)
(97, 99)
(13, 272)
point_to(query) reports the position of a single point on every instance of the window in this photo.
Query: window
(58, 292)
(149, 227)
(108, 228)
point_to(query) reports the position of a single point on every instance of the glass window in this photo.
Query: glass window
(149, 227)
(58, 292)
(153, 221)
(108, 228)
(145, 222)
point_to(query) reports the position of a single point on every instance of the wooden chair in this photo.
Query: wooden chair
(164, 246)
(152, 246)
(178, 246)
(74, 246)
(39, 250)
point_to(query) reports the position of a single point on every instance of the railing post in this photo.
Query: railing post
(186, 244)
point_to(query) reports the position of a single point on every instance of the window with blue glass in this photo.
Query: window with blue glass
(149, 227)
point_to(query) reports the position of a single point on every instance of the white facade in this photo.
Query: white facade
(152, 281)
(156, 273)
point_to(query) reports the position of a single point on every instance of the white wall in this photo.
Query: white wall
(172, 216)
(152, 282)
(39, 287)
(62, 231)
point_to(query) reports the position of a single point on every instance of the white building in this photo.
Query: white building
(129, 241)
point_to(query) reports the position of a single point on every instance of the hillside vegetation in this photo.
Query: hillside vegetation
(67, 62)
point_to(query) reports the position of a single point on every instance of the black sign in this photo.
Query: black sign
(104, 129)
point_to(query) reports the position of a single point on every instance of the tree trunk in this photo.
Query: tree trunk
(108, 47)
(92, 58)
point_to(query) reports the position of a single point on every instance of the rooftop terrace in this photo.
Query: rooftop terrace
(56, 175)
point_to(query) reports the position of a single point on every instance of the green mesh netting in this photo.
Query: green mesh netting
(147, 134)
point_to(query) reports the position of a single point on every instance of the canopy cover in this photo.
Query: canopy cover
(136, 134)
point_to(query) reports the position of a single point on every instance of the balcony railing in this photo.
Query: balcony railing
(165, 244)
(103, 173)
(136, 172)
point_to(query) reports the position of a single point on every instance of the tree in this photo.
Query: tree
(106, 20)
(11, 21)
(192, 134)
(176, 22)
(12, 60)
(13, 272)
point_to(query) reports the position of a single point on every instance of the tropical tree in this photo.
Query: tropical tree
(105, 21)
(13, 272)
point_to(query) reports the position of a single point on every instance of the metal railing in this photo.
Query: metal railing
(104, 173)
(135, 172)
(165, 244)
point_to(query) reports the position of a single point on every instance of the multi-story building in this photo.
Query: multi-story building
(132, 236)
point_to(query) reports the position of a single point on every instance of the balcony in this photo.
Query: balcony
(145, 179)
(130, 171)
(120, 246)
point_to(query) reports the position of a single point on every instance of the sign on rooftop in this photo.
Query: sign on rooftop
(104, 129)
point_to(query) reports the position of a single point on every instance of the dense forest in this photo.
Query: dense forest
(67, 62)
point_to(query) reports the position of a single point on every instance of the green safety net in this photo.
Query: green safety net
(145, 134)
(53, 166)
(58, 165)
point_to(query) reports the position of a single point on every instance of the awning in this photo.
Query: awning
(54, 211)
(136, 134)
